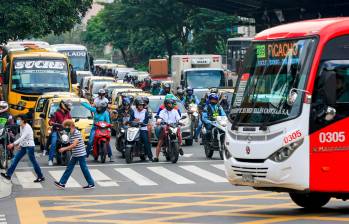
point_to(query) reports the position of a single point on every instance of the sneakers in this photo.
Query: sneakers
(50, 163)
(181, 152)
(89, 187)
(196, 140)
(111, 160)
(155, 160)
(38, 180)
(59, 185)
(4, 175)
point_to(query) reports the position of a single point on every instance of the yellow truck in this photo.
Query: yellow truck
(29, 71)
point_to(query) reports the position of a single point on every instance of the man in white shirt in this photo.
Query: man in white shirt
(140, 114)
(170, 116)
(26, 142)
(101, 98)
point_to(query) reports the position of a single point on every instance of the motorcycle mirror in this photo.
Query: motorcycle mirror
(183, 117)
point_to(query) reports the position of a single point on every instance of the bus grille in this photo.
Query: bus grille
(255, 172)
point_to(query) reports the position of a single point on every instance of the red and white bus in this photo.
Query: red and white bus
(289, 120)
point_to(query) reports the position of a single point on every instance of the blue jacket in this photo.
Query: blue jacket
(208, 113)
(97, 116)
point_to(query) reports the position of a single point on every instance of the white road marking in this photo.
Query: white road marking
(219, 166)
(135, 177)
(174, 177)
(102, 179)
(205, 174)
(57, 174)
(2, 219)
(26, 179)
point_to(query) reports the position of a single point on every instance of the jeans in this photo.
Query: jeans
(19, 155)
(54, 138)
(90, 143)
(208, 132)
(68, 171)
(147, 147)
(198, 129)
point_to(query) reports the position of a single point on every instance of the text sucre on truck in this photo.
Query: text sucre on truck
(289, 121)
(28, 72)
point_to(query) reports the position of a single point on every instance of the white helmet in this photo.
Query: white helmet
(3, 106)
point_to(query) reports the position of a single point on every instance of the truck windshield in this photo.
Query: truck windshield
(78, 59)
(203, 79)
(37, 76)
(271, 70)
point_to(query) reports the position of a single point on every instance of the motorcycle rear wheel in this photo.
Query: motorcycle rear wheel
(208, 151)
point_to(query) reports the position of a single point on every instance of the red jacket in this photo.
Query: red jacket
(59, 117)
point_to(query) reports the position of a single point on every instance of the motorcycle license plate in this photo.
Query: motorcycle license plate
(247, 178)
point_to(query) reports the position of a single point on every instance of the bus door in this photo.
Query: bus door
(329, 120)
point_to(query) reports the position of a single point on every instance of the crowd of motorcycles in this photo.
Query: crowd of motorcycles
(128, 140)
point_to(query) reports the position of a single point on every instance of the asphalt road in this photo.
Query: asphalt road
(192, 191)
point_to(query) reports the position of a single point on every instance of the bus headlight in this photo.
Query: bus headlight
(285, 152)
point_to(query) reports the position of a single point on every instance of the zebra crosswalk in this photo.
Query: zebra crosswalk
(147, 176)
(3, 219)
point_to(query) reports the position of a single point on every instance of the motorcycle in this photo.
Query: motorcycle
(194, 117)
(120, 143)
(6, 137)
(171, 146)
(62, 141)
(101, 140)
(216, 143)
(134, 145)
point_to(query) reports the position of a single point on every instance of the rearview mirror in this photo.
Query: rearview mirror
(330, 114)
(292, 97)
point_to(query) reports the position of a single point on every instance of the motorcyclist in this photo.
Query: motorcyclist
(155, 88)
(174, 100)
(190, 98)
(101, 98)
(150, 113)
(168, 115)
(166, 89)
(140, 114)
(125, 112)
(146, 85)
(62, 114)
(100, 115)
(210, 113)
(180, 95)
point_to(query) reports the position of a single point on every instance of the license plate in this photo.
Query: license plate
(247, 178)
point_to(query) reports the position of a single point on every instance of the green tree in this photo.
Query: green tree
(22, 19)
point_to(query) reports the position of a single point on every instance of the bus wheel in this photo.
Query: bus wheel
(310, 200)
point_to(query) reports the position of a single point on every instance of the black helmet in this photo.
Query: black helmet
(66, 104)
(190, 91)
(101, 107)
(146, 100)
(169, 104)
(180, 92)
(167, 86)
(139, 101)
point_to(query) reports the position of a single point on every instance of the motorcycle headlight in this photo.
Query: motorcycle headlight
(193, 108)
(285, 152)
(87, 130)
(222, 121)
(65, 138)
(122, 130)
(49, 130)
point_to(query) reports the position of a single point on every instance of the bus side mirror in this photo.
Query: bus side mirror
(73, 76)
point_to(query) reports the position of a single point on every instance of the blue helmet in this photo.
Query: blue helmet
(126, 101)
(213, 96)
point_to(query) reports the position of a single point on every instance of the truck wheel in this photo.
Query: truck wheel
(310, 200)
(208, 151)
(189, 142)
(128, 154)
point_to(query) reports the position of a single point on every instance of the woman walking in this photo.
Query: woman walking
(26, 142)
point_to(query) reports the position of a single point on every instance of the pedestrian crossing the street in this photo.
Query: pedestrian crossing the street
(3, 219)
(120, 176)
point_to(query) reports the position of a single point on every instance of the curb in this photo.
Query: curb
(5, 187)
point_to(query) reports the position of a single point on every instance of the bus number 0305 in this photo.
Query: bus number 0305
(327, 137)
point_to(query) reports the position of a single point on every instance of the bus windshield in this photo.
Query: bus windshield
(78, 59)
(37, 76)
(203, 79)
(271, 70)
